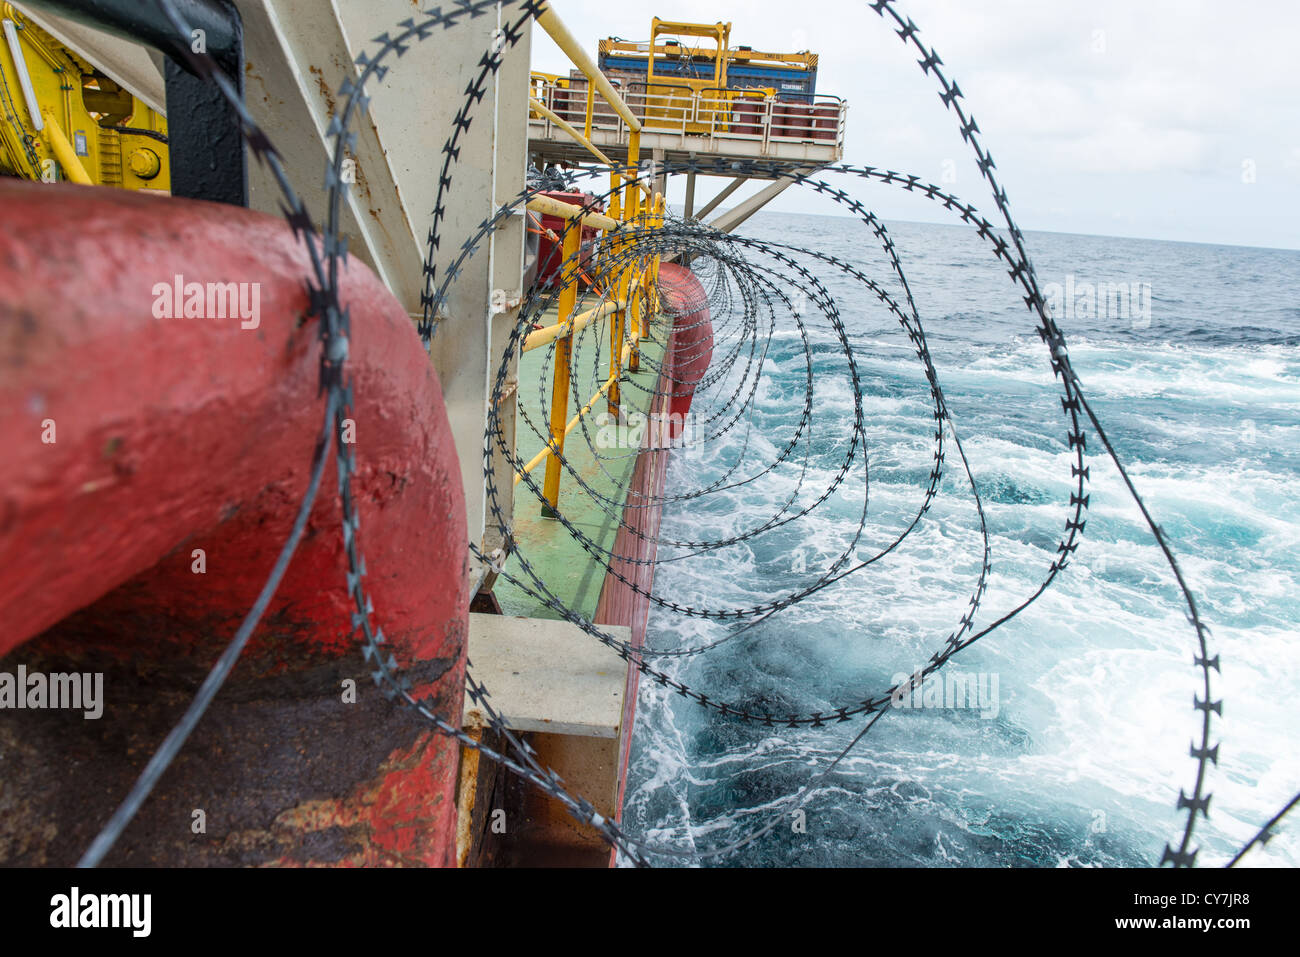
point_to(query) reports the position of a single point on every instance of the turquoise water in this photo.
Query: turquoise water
(1080, 745)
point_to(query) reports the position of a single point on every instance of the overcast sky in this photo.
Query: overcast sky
(1168, 119)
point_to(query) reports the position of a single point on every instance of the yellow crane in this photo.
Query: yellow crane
(65, 120)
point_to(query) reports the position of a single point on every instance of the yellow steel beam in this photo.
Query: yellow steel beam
(651, 283)
(63, 151)
(807, 60)
(618, 320)
(549, 21)
(635, 308)
(631, 212)
(541, 337)
(570, 252)
(615, 185)
(660, 207)
(545, 453)
(554, 207)
(645, 288)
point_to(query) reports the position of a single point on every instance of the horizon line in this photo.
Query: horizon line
(1003, 229)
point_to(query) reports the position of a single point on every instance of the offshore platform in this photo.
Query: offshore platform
(691, 95)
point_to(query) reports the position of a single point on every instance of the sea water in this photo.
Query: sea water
(1078, 750)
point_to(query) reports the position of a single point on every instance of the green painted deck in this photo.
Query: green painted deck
(570, 572)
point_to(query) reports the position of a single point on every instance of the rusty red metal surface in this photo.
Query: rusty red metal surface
(172, 435)
(691, 345)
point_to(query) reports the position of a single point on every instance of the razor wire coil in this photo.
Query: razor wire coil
(740, 286)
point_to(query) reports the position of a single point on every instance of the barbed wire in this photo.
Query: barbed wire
(747, 282)
(1265, 833)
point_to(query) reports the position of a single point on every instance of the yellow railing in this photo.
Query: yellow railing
(631, 289)
(541, 109)
(635, 296)
(759, 115)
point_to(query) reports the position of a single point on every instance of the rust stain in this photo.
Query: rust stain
(326, 93)
(362, 184)
(403, 790)
(252, 77)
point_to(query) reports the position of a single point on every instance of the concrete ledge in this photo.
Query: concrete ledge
(547, 676)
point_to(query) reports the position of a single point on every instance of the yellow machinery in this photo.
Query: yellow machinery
(802, 64)
(673, 99)
(713, 75)
(694, 85)
(65, 120)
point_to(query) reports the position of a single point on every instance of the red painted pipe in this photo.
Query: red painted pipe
(134, 437)
(683, 298)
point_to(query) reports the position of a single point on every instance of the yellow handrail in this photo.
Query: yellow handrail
(630, 201)
(551, 115)
(555, 207)
(571, 249)
(541, 456)
(544, 336)
(549, 21)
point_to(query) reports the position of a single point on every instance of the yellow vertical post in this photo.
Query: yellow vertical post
(612, 252)
(591, 105)
(654, 274)
(636, 303)
(631, 215)
(648, 272)
(621, 210)
(616, 321)
(615, 184)
(655, 218)
(631, 198)
(568, 275)
(632, 322)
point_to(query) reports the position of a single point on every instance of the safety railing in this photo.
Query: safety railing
(628, 281)
(630, 288)
(665, 106)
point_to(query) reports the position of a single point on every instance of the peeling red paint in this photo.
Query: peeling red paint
(177, 434)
